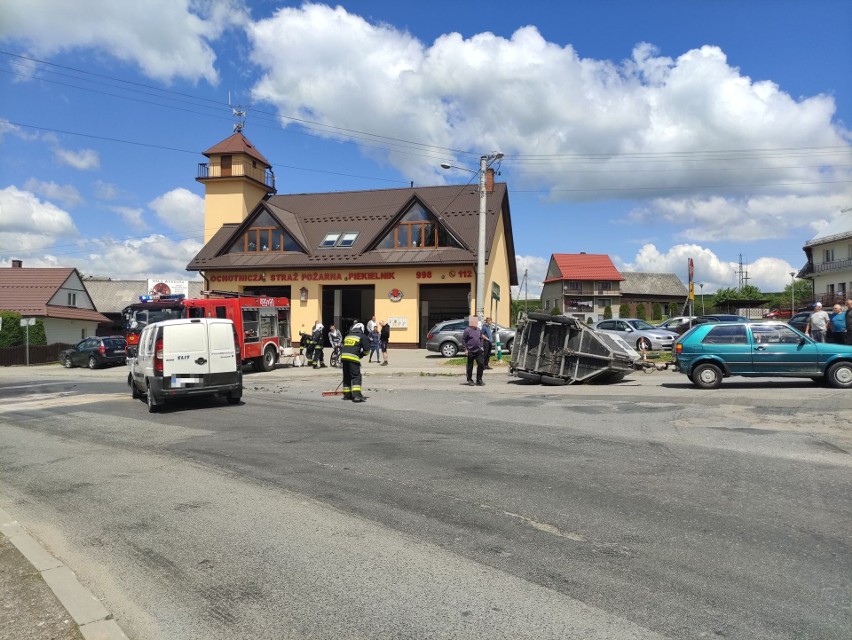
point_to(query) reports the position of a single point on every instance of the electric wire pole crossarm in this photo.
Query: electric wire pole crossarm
(484, 162)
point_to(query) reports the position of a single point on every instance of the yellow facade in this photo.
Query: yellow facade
(229, 200)
(397, 299)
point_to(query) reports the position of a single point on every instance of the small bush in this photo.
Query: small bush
(641, 313)
(624, 310)
(607, 312)
(657, 312)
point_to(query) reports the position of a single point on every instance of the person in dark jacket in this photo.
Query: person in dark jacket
(472, 339)
(384, 338)
(355, 345)
(849, 321)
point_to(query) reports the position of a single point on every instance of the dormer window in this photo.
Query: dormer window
(330, 240)
(264, 236)
(418, 229)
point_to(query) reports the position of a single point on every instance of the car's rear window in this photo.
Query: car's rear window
(726, 335)
(115, 343)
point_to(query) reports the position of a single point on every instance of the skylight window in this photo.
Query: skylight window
(347, 240)
(330, 240)
(333, 240)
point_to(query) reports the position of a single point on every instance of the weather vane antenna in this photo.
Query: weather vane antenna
(239, 113)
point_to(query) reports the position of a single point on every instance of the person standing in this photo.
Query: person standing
(355, 345)
(849, 321)
(472, 339)
(319, 342)
(374, 344)
(817, 323)
(371, 325)
(838, 325)
(487, 342)
(335, 340)
(384, 338)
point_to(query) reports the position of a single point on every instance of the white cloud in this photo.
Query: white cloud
(84, 160)
(568, 124)
(28, 224)
(181, 210)
(132, 216)
(139, 258)
(105, 190)
(167, 39)
(766, 273)
(536, 268)
(7, 127)
(66, 194)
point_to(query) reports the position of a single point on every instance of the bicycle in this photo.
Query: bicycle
(334, 360)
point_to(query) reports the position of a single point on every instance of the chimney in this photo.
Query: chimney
(489, 180)
(17, 264)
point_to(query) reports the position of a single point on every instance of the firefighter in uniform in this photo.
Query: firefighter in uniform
(355, 346)
(319, 343)
(307, 344)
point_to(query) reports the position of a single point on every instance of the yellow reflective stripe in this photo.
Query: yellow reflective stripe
(346, 356)
(346, 389)
(356, 388)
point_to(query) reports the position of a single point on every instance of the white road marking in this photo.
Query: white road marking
(47, 401)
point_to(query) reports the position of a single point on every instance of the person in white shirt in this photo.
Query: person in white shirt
(371, 325)
(817, 323)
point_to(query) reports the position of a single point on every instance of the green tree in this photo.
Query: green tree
(555, 311)
(12, 333)
(672, 309)
(641, 312)
(607, 312)
(657, 312)
(37, 334)
(623, 310)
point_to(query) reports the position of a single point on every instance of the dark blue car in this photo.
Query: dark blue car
(709, 352)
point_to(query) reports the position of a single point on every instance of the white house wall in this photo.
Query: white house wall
(72, 285)
(68, 331)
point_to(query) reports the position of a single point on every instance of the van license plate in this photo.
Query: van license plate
(184, 382)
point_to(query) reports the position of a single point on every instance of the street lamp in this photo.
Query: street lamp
(792, 293)
(484, 163)
(701, 286)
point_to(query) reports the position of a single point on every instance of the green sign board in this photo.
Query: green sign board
(495, 291)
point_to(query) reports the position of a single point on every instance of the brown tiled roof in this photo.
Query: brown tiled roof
(237, 143)
(28, 292)
(372, 214)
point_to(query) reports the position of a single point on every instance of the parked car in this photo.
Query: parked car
(634, 331)
(673, 322)
(717, 317)
(777, 314)
(446, 337)
(800, 320)
(95, 352)
(713, 351)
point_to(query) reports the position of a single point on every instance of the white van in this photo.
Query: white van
(186, 357)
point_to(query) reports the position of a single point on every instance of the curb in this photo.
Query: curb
(92, 618)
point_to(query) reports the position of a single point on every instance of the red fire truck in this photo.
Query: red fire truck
(262, 323)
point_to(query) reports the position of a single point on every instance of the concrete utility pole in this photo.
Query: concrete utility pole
(480, 250)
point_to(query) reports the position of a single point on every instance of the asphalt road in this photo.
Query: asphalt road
(646, 509)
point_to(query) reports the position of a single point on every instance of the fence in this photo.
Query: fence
(42, 354)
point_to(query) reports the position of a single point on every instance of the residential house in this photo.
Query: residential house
(57, 296)
(829, 264)
(581, 285)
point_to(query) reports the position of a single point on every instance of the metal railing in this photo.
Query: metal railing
(834, 265)
(238, 169)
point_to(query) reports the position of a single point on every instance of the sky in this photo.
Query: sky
(652, 131)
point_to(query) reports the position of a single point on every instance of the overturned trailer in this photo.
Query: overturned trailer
(560, 350)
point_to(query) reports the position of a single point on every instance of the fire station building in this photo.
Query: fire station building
(406, 256)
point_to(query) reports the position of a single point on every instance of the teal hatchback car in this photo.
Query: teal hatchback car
(710, 352)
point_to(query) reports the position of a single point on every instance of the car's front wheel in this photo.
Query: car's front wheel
(66, 362)
(707, 376)
(449, 349)
(839, 375)
(509, 344)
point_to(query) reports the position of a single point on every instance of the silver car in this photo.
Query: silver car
(446, 338)
(638, 333)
